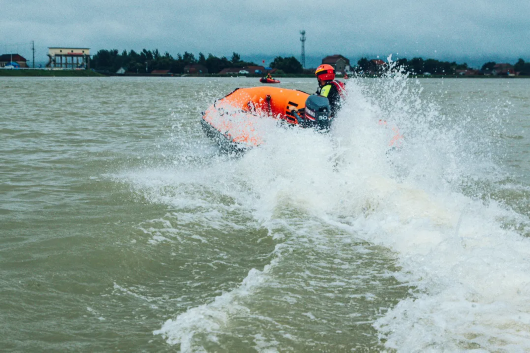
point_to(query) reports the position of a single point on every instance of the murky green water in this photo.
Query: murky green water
(118, 214)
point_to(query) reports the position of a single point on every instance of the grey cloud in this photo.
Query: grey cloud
(429, 28)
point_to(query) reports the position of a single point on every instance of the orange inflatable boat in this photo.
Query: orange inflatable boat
(268, 80)
(237, 120)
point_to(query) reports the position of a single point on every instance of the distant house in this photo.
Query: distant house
(247, 70)
(5, 59)
(468, 72)
(230, 71)
(378, 65)
(121, 71)
(161, 72)
(340, 63)
(255, 70)
(503, 70)
(195, 69)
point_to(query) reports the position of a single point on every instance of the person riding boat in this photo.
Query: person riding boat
(334, 91)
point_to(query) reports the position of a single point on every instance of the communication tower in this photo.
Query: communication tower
(302, 39)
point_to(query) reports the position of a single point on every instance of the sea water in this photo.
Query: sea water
(124, 228)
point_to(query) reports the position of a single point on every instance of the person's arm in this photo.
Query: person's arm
(334, 101)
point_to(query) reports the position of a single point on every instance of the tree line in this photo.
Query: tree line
(520, 66)
(436, 67)
(146, 61)
(415, 65)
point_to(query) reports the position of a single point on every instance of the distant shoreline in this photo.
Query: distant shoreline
(48, 73)
(90, 73)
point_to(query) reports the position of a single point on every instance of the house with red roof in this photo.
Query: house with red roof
(467, 72)
(161, 73)
(255, 70)
(378, 62)
(230, 71)
(377, 66)
(503, 70)
(15, 58)
(195, 69)
(252, 70)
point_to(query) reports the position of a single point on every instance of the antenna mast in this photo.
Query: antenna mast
(33, 49)
(302, 39)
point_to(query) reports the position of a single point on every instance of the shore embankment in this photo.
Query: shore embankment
(50, 73)
(91, 73)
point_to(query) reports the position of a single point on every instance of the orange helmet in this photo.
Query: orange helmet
(325, 72)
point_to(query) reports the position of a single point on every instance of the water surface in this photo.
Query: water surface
(123, 228)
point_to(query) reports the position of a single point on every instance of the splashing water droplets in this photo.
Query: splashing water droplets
(411, 197)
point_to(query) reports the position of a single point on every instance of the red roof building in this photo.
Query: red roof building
(7, 58)
(468, 72)
(503, 70)
(376, 66)
(161, 72)
(195, 69)
(255, 69)
(230, 71)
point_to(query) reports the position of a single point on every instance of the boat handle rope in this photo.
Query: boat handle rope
(295, 114)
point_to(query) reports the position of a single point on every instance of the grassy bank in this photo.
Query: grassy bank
(50, 73)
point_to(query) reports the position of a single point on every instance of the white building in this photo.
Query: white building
(69, 58)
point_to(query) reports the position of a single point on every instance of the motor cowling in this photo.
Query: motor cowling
(317, 112)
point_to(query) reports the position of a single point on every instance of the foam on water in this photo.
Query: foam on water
(469, 270)
(472, 273)
(211, 318)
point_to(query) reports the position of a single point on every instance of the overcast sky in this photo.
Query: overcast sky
(474, 31)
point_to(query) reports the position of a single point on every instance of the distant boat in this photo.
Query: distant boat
(268, 80)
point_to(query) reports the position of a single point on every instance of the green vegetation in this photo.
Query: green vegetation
(146, 61)
(436, 68)
(110, 61)
(522, 67)
(56, 73)
(287, 65)
(415, 65)
(488, 66)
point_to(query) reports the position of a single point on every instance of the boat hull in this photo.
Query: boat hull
(234, 121)
(268, 80)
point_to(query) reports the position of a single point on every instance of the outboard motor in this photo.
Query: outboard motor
(317, 113)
